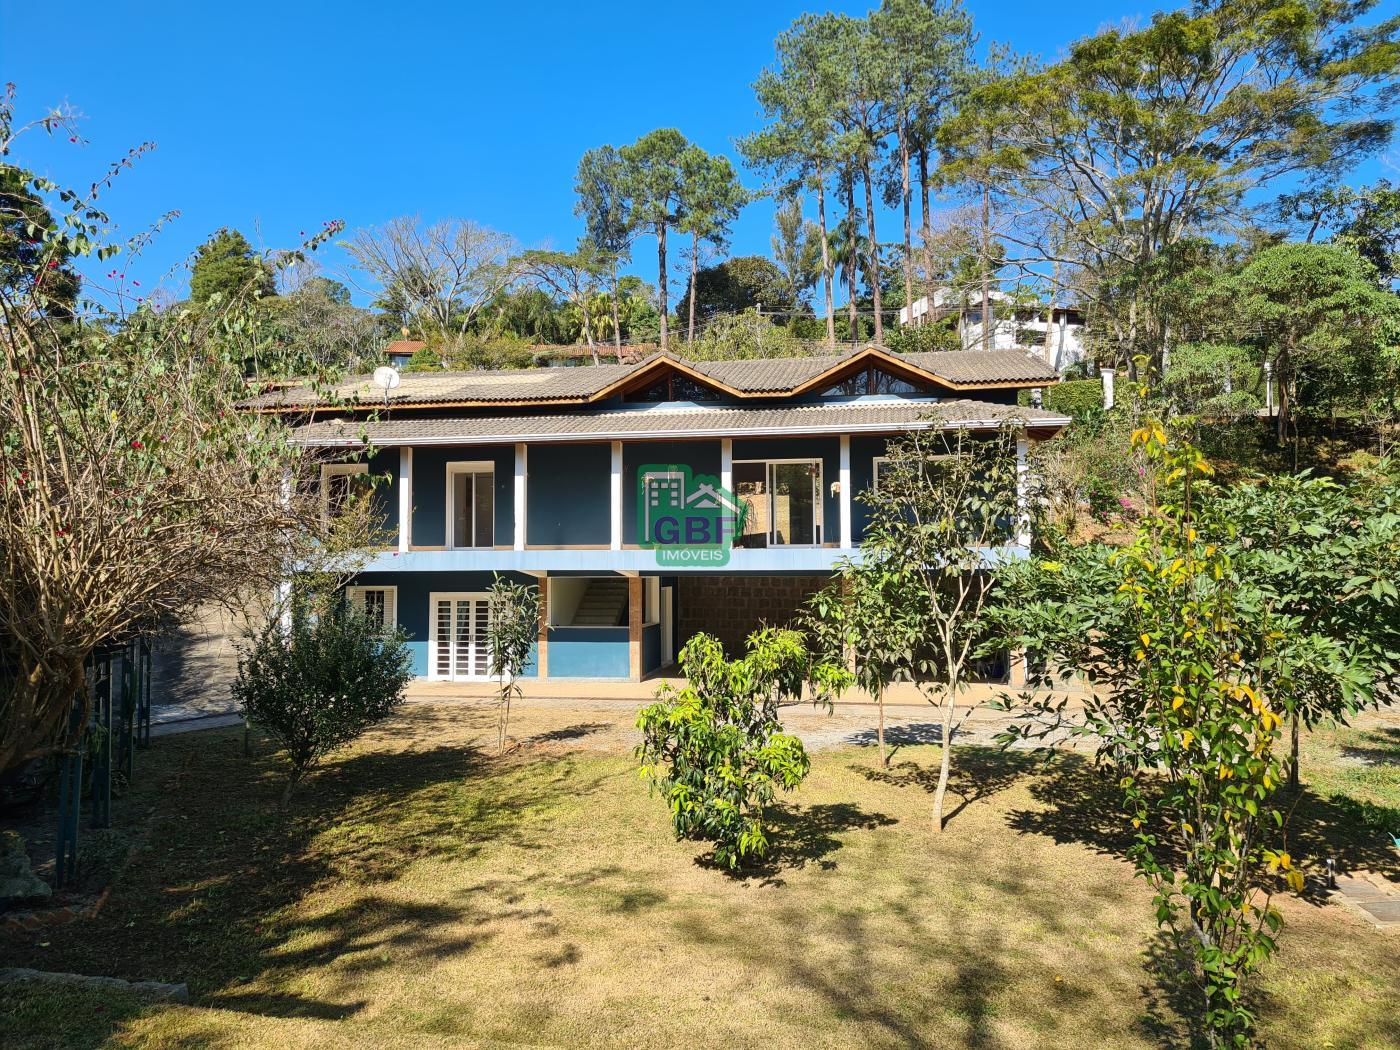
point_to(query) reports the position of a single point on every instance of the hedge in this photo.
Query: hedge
(1075, 398)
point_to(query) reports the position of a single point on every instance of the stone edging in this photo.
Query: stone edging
(30, 921)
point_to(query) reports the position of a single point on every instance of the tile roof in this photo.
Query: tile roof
(760, 377)
(864, 416)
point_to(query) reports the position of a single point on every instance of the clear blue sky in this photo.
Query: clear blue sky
(273, 118)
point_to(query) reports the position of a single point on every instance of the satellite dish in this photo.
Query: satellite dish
(387, 378)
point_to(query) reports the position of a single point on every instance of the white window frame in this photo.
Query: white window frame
(433, 642)
(356, 597)
(483, 466)
(819, 515)
(329, 470)
(875, 473)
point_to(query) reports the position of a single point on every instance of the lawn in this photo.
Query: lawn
(423, 892)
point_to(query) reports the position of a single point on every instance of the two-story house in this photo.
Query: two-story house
(600, 486)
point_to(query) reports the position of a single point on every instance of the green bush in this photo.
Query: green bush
(924, 338)
(1075, 398)
(716, 749)
(320, 681)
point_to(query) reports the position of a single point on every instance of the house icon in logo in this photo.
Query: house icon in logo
(686, 517)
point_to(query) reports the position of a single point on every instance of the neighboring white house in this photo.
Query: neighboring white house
(1025, 329)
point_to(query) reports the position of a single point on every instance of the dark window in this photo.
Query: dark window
(871, 380)
(673, 388)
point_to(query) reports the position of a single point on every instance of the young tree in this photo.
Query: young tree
(320, 680)
(654, 180)
(711, 200)
(1231, 96)
(945, 502)
(226, 265)
(606, 209)
(512, 627)
(1196, 644)
(715, 749)
(445, 272)
(27, 232)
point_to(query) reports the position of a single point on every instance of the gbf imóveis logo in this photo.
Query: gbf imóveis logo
(687, 518)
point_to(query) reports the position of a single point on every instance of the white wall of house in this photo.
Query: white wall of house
(1063, 348)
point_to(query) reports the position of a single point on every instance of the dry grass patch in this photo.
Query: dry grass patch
(425, 893)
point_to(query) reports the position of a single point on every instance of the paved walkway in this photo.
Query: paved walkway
(1373, 897)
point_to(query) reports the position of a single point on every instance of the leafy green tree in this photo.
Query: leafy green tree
(319, 681)
(715, 748)
(1231, 95)
(1327, 558)
(712, 200)
(734, 337)
(512, 626)
(605, 206)
(654, 180)
(1196, 646)
(944, 500)
(1366, 220)
(226, 265)
(742, 283)
(1313, 313)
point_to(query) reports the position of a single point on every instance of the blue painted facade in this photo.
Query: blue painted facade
(569, 525)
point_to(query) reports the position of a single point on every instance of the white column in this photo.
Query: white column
(845, 480)
(1023, 515)
(405, 498)
(521, 466)
(615, 496)
(1106, 374)
(1268, 388)
(726, 480)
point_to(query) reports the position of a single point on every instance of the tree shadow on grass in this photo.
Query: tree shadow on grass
(799, 836)
(214, 898)
(1084, 805)
(976, 773)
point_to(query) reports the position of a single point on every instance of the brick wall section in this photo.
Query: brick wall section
(730, 607)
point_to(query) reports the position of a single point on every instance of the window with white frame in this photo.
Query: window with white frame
(930, 468)
(378, 604)
(471, 505)
(340, 482)
(784, 502)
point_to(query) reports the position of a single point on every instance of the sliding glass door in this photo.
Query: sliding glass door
(784, 500)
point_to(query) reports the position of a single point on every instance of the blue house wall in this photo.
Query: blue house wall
(413, 612)
(430, 490)
(567, 499)
(702, 457)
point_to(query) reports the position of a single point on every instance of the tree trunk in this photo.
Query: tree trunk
(617, 320)
(986, 266)
(927, 219)
(661, 282)
(880, 730)
(945, 762)
(874, 256)
(694, 265)
(1293, 777)
(293, 779)
(588, 329)
(851, 261)
(826, 262)
(908, 233)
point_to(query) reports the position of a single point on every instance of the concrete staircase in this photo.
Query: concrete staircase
(604, 604)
